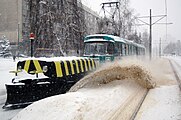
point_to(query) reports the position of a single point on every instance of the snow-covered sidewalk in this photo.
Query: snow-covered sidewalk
(163, 102)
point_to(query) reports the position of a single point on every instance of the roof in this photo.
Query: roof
(111, 38)
(106, 36)
(96, 37)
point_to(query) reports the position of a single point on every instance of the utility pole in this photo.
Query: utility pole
(150, 25)
(18, 40)
(150, 40)
(160, 49)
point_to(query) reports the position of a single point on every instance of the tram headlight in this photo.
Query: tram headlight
(108, 59)
(45, 68)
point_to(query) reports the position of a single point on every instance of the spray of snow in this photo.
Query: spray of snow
(117, 71)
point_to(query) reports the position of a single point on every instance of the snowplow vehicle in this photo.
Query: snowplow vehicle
(54, 76)
(45, 77)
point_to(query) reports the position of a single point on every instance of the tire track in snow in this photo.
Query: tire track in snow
(129, 109)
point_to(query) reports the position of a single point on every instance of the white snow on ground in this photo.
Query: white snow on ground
(6, 65)
(97, 103)
(162, 103)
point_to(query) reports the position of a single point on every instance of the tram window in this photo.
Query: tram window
(136, 50)
(110, 48)
(123, 49)
(133, 50)
(118, 49)
(99, 48)
(127, 47)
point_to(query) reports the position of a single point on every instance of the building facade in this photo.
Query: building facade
(11, 19)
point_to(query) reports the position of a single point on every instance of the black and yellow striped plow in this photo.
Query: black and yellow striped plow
(61, 76)
(58, 69)
(31, 66)
(70, 67)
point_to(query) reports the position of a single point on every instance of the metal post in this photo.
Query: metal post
(31, 47)
(17, 26)
(150, 25)
(150, 49)
(32, 37)
(160, 48)
(18, 40)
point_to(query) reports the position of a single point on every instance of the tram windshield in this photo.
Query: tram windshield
(99, 48)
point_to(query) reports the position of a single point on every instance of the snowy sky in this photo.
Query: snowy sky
(141, 8)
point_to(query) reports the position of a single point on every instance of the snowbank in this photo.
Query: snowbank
(93, 103)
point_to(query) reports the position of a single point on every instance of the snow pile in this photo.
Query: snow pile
(117, 71)
(98, 103)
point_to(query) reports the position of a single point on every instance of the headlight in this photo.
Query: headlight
(108, 59)
(45, 68)
(19, 68)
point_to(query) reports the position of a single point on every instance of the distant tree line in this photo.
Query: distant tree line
(173, 48)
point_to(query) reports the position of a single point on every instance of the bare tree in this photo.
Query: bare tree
(58, 25)
(120, 19)
(173, 48)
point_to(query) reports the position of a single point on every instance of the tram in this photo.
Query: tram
(104, 47)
